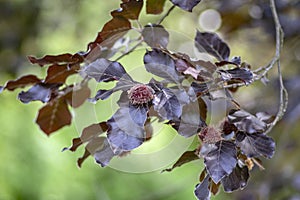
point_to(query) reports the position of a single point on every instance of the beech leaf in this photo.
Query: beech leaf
(187, 5)
(256, 144)
(162, 65)
(22, 82)
(155, 6)
(220, 159)
(59, 73)
(211, 43)
(105, 70)
(237, 74)
(130, 9)
(39, 92)
(236, 180)
(104, 154)
(155, 35)
(186, 157)
(202, 191)
(54, 116)
(56, 59)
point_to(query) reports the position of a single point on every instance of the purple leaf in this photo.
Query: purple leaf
(187, 5)
(246, 122)
(39, 92)
(212, 44)
(220, 159)
(105, 70)
(155, 35)
(202, 191)
(162, 65)
(190, 122)
(237, 74)
(256, 144)
(104, 155)
(168, 103)
(236, 180)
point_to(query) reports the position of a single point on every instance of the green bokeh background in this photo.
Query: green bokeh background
(32, 165)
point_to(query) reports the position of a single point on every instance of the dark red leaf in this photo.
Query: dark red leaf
(155, 6)
(39, 92)
(78, 95)
(59, 73)
(236, 180)
(202, 191)
(130, 9)
(214, 188)
(186, 157)
(105, 70)
(22, 82)
(91, 148)
(50, 59)
(155, 35)
(92, 131)
(76, 142)
(211, 43)
(220, 159)
(54, 116)
(187, 5)
(112, 30)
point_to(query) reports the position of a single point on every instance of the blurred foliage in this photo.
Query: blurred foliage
(33, 167)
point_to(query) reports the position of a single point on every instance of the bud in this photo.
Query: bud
(140, 94)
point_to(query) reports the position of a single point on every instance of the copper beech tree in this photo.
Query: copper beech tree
(229, 151)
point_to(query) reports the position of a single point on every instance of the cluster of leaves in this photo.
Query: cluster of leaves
(177, 99)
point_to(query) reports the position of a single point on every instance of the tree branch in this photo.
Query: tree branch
(283, 100)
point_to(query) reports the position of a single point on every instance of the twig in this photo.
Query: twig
(165, 15)
(130, 50)
(276, 59)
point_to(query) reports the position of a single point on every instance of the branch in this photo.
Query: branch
(165, 15)
(276, 59)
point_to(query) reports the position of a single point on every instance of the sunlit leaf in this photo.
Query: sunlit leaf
(154, 6)
(202, 191)
(255, 144)
(59, 73)
(162, 65)
(211, 43)
(155, 35)
(186, 157)
(130, 9)
(39, 92)
(21, 82)
(236, 180)
(112, 31)
(56, 59)
(54, 116)
(187, 5)
(78, 95)
(219, 158)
